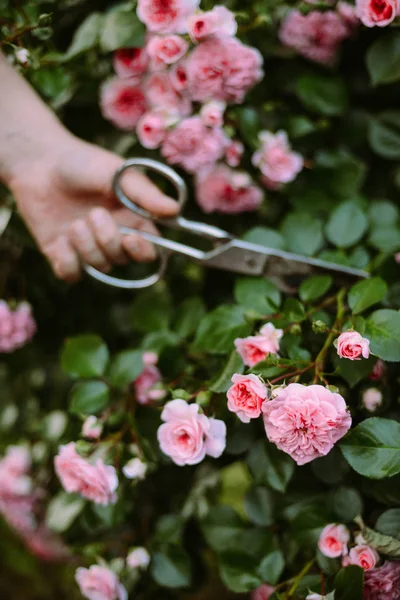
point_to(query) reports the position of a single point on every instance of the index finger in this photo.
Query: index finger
(142, 191)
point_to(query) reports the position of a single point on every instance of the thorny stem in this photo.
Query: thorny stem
(292, 374)
(320, 360)
(299, 577)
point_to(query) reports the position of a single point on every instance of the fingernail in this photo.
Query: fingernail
(147, 251)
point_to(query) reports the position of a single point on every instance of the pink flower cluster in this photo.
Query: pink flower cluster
(255, 348)
(156, 86)
(350, 344)
(17, 326)
(18, 500)
(100, 583)
(187, 435)
(275, 159)
(383, 583)
(96, 482)
(318, 35)
(144, 385)
(333, 542)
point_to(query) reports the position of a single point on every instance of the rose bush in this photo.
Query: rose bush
(213, 435)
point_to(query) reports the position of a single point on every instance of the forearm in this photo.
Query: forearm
(29, 130)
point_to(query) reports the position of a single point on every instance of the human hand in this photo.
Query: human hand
(66, 200)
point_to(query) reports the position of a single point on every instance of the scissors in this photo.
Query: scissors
(228, 253)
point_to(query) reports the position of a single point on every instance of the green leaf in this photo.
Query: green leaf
(258, 506)
(382, 328)
(385, 238)
(235, 482)
(171, 568)
(383, 213)
(89, 397)
(272, 567)
(347, 503)
(373, 448)
(332, 468)
(222, 528)
(237, 572)
(152, 309)
(322, 94)
(156, 341)
(249, 125)
(169, 529)
(269, 466)
(303, 233)
(218, 330)
(347, 224)
(257, 293)
(265, 237)
(86, 36)
(122, 29)
(388, 523)
(190, 313)
(234, 365)
(84, 356)
(366, 293)
(349, 583)
(354, 371)
(62, 511)
(385, 544)
(384, 134)
(383, 59)
(315, 287)
(52, 81)
(125, 367)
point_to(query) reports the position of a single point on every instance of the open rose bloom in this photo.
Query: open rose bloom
(333, 540)
(256, 348)
(246, 396)
(352, 345)
(100, 583)
(377, 12)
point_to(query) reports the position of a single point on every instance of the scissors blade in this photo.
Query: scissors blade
(287, 269)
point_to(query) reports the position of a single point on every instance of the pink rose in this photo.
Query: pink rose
(378, 370)
(178, 76)
(233, 153)
(306, 421)
(372, 399)
(363, 556)
(166, 50)
(377, 12)
(166, 16)
(122, 102)
(246, 396)
(264, 592)
(92, 428)
(135, 469)
(333, 540)
(130, 62)
(100, 583)
(255, 348)
(275, 159)
(212, 113)
(348, 14)
(351, 345)
(187, 435)
(316, 36)
(383, 583)
(45, 545)
(17, 327)
(225, 191)
(223, 69)
(138, 558)
(151, 129)
(397, 257)
(95, 482)
(161, 95)
(144, 385)
(218, 21)
(192, 145)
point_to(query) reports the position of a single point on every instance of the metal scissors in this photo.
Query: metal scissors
(229, 253)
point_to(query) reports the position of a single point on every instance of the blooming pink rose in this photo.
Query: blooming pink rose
(333, 540)
(95, 482)
(166, 16)
(144, 385)
(255, 348)
(14, 467)
(17, 327)
(372, 399)
(161, 95)
(122, 102)
(92, 428)
(151, 129)
(44, 544)
(264, 592)
(138, 558)
(100, 583)
(212, 113)
(233, 153)
(187, 435)
(306, 421)
(222, 190)
(377, 12)
(178, 76)
(363, 556)
(351, 345)
(383, 583)
(378, 370)
(218, 21)
(316, 35)
(166, 50)
(246, 396)
(130, 62)
(192, 145)
(348, 13)
(275, 159)
(223, 69)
